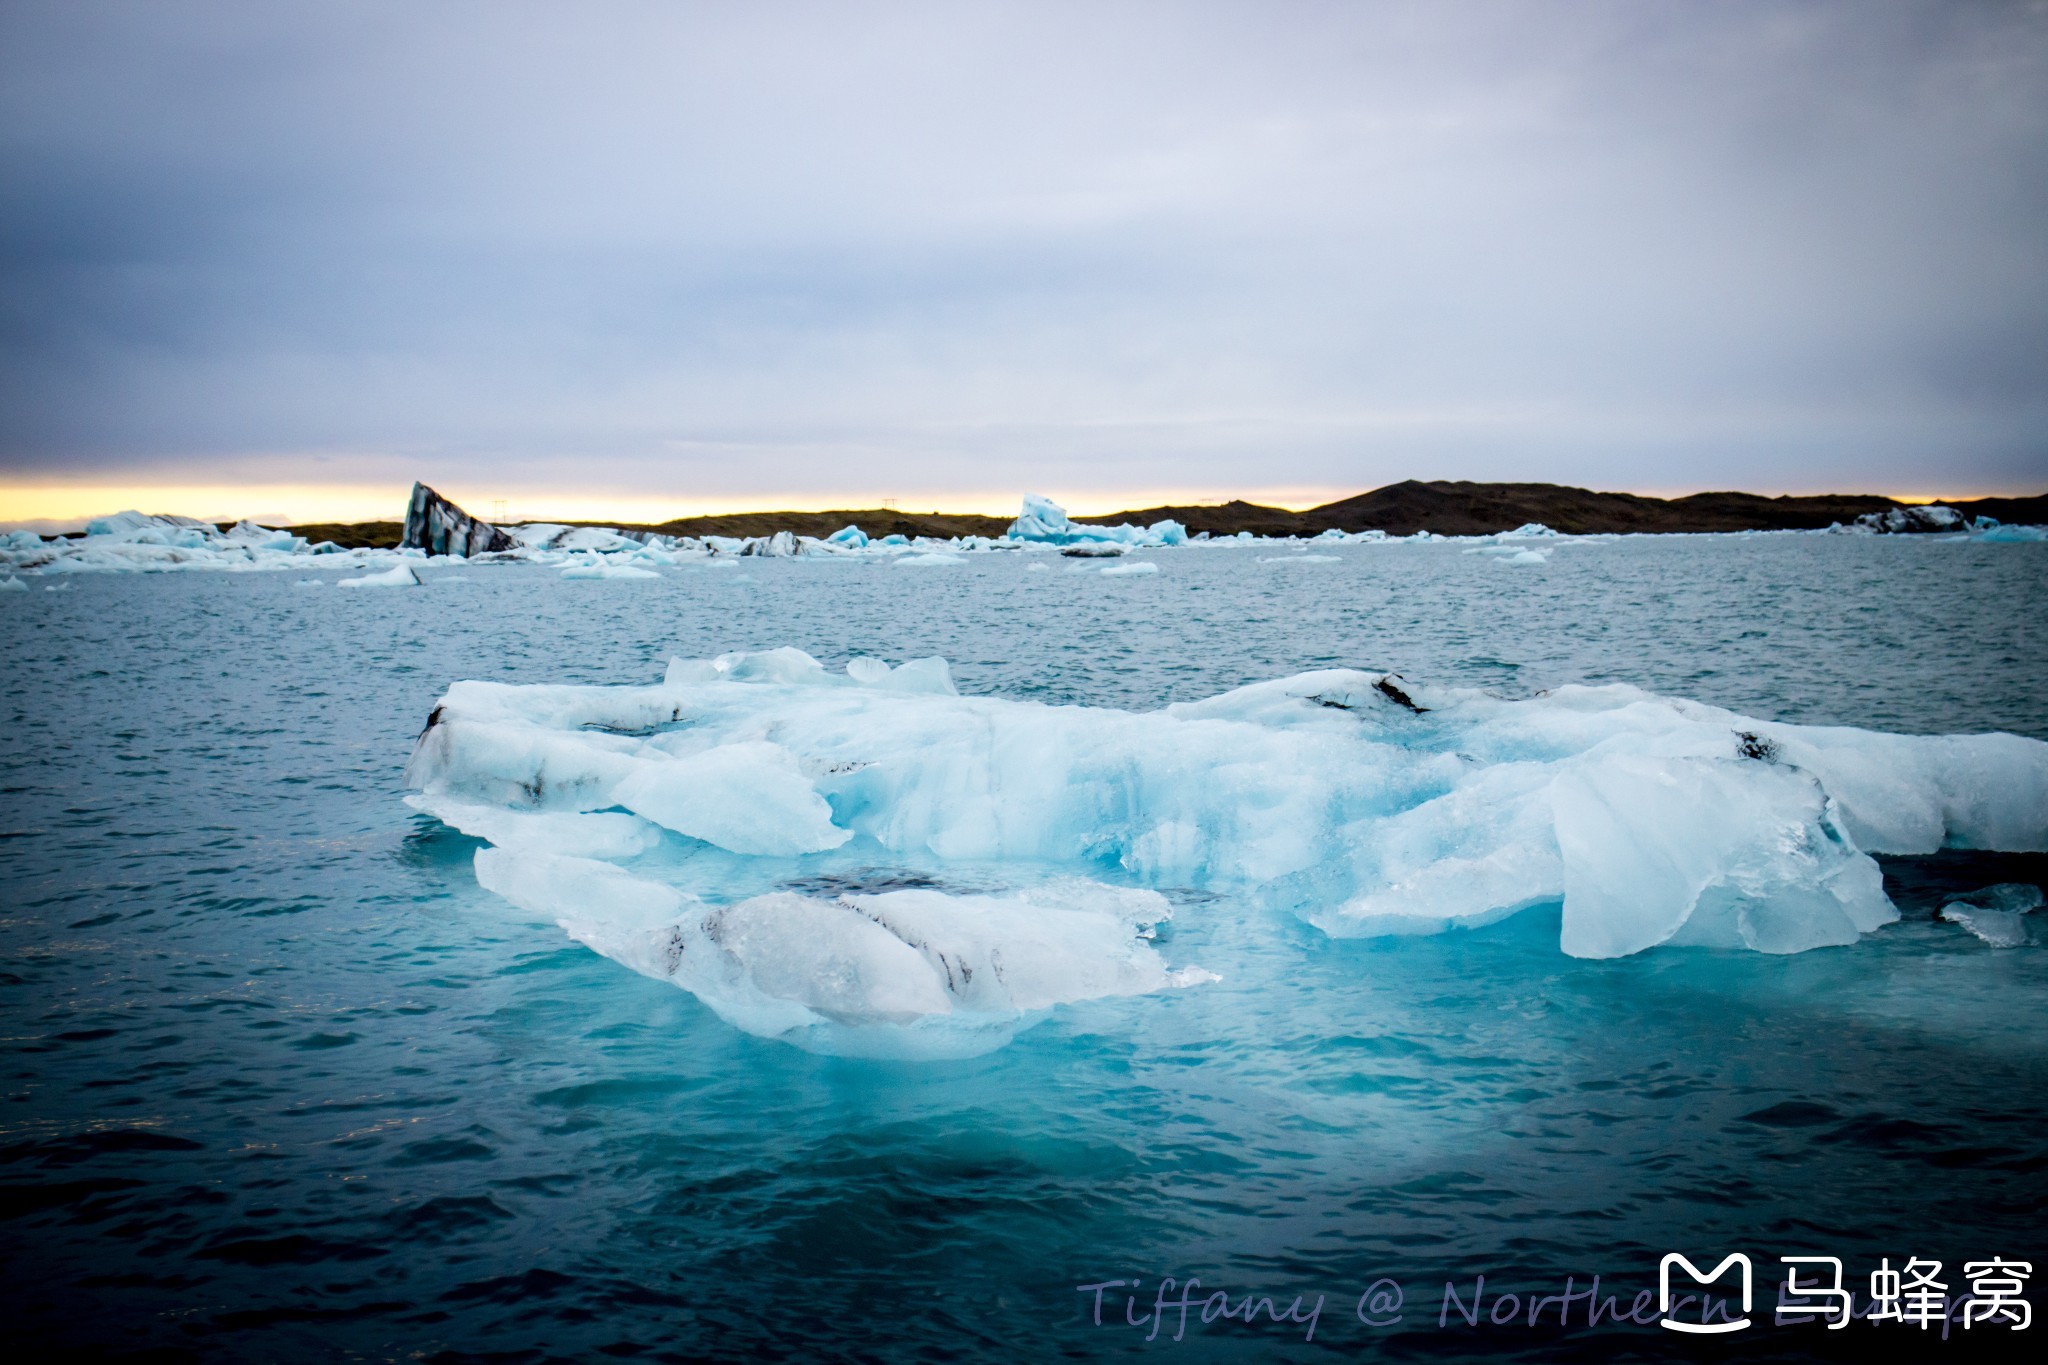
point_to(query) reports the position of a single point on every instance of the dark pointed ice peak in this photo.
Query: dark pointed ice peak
(438, 526)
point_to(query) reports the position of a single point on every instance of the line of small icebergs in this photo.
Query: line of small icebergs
(1935, 519)
(685, 828)
(130, 542)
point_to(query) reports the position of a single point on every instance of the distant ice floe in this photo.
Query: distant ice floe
(594, 565)
(684, 828)
(397, 576)
(1938, 520)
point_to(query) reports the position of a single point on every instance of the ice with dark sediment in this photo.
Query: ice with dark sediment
(1365, 803)
(439, 527)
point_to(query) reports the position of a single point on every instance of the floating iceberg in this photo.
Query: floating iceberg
(1045, 521)
(439, 527)
(1362, 802)
(548, 535)
(1999, 534)
(132, 542)
(142, 526)
(594, 566)
(397, 576)
(780, 545)
(1936, 519)
(1913, 520)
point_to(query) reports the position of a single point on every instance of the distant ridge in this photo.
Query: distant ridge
(1474, 509)
(1451, 508)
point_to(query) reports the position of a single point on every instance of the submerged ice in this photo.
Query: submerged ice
(918, 972)
(669, 826)
(1994, 913)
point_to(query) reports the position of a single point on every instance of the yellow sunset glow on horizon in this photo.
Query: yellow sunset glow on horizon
(63, 504)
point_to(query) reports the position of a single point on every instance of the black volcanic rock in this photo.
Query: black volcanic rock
(438, 526)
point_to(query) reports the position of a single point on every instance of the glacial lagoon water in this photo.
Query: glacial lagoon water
(283, 1082)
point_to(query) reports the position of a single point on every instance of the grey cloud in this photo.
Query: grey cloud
(735, 249)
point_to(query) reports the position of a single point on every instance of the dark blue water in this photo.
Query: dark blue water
(281, 1083)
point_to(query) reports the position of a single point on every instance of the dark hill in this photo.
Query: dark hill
(1467, 509)
(876, 521)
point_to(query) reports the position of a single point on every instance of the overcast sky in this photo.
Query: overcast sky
(785, 252)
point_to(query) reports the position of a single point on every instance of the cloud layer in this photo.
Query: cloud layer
(778, 248)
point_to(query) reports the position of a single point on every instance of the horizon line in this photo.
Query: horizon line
(59, 505)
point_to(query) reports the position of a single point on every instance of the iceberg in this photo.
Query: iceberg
(254, 537)
(1998, 534)
(593, 566)
(1363, 802)
(133, 525)
(1912, 520)
(548, 535)
(135, 542)
(439, 527)
(1045, 522)
(1937, 519)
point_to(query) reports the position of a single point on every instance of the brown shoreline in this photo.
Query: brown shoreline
(1447, 508)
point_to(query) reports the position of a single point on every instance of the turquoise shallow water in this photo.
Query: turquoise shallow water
(283, 1083)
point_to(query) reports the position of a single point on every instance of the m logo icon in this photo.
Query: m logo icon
(1702, 1326)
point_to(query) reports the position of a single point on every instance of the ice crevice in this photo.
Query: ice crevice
(671, 826)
